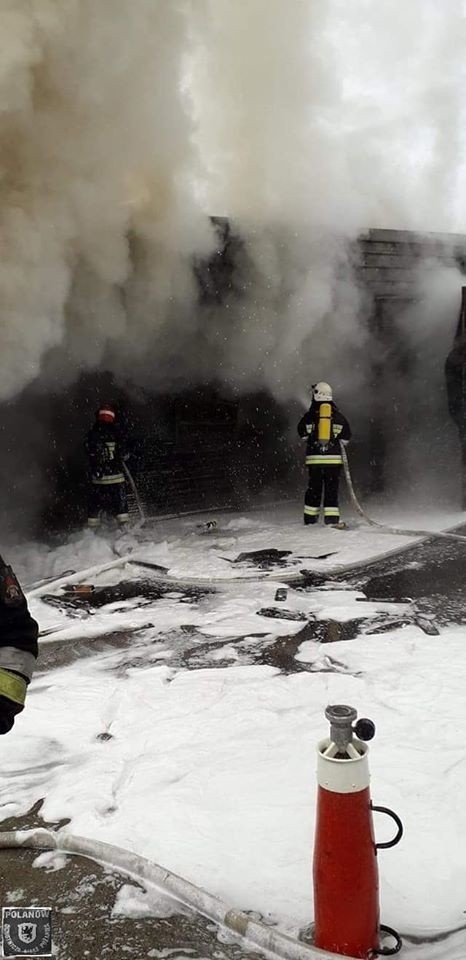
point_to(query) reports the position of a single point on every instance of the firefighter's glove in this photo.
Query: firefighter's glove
(12, 696)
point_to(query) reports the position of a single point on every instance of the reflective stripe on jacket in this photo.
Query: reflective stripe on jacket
(13, 687)
(323, 460)
(18, 640)
(106, 451)
(113, 478)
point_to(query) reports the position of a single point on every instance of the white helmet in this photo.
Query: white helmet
(322, 392)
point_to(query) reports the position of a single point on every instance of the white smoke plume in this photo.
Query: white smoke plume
(315, 121)
(95, 143)
(333, 113)
(124, 123)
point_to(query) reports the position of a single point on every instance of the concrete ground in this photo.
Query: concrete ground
(82, 895)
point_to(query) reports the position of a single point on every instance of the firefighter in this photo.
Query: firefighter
(455, 376)
(106, 450)
(323, 426)
(18, 647)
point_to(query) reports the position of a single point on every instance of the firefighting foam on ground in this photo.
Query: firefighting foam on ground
(233, 248)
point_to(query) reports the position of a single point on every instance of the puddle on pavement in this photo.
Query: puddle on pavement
(145, 590)
(330, 631)
(282, 654)
(263, 559)
(437, 587)
(431, 573)
(187, 648)
(423, 581)
(59, 653)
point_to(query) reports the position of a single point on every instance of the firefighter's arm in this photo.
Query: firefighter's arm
(124, 447)
(346, 431)
(341, 429)
(454, 388)
(306, 426)
(94, 458)
(18, 647)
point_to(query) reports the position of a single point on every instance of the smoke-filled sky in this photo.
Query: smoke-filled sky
(305, 121)
(342, 113)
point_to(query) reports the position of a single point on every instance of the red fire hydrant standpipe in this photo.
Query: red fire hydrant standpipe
(346, 883)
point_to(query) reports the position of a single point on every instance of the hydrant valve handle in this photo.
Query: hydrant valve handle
(364, 729)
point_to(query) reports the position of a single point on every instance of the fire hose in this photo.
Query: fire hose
(399, 532)
(243, 923)
(70, 577)
(134, 489)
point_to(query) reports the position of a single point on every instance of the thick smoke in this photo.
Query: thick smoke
(95, 144)
(304, 123)
(421, 436)
(124, 124)
(315, 121)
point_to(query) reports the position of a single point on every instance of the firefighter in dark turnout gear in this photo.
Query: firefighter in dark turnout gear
(107, 452)
(455, 376)
(18, 647)
(323, 426)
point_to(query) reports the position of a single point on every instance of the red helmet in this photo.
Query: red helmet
(106, 414)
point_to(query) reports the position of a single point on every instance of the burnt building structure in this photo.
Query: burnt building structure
(204, 447)
(388, 265)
